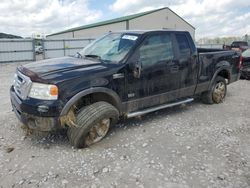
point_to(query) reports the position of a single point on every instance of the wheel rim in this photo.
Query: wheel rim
(97, 132)
(219, 92)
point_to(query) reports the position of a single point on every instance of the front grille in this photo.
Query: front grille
(22, 85)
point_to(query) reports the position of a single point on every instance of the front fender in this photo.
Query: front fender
(83, 93)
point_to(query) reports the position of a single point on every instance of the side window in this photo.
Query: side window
(183, 44)
(155, 49)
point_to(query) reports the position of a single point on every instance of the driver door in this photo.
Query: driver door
(159, 78)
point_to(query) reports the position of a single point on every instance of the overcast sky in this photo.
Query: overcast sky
(211, 18)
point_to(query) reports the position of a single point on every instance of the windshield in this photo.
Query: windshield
(246, 53)
(110, 48)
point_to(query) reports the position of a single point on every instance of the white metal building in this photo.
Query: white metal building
(155, 19)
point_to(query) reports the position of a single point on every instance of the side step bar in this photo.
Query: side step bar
(148, 110)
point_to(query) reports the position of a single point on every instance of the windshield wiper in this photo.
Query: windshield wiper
(98, 57)
(93, 56)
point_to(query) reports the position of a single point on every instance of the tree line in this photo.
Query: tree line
(223, 40)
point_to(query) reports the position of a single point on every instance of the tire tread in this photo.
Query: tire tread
(87, 117)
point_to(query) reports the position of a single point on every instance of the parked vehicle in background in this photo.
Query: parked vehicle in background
(245, 72)
(123, 74)
(239, 46)
(39, 49)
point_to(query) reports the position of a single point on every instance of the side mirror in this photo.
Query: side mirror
(135, 65)
(137, 69)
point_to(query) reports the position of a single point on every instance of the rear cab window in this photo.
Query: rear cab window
(183, 44)
(239, 44)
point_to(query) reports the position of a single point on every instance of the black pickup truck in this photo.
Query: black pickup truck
(122, 74)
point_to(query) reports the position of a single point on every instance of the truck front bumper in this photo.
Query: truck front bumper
(32, 121)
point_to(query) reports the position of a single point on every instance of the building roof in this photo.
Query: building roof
(116, 20)
(146, 31)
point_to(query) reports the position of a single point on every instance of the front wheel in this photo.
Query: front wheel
(92, 124)
(217, 93)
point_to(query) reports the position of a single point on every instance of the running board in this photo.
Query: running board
(148, 110)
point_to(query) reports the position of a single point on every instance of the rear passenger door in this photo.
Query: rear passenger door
(188, 64)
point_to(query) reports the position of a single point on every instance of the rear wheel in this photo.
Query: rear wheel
(217, 93)
(93, 123)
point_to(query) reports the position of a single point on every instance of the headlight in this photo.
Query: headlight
(43, 91)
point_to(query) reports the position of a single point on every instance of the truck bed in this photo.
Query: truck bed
(209, 60)
(206, 50)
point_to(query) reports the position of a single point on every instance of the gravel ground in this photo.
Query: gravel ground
(193, 145)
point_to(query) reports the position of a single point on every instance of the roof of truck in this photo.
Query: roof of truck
(146, 31)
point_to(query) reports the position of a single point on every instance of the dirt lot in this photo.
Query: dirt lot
(193, 145)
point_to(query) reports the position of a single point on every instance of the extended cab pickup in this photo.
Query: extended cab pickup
(123, 74)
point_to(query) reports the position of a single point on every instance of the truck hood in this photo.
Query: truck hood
(51, 66)
(57, 69)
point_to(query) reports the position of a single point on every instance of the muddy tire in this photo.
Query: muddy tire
(92, 124)
(217, 93)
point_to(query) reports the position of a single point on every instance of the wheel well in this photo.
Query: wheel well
(225, 74)
(95, 97)
(69, 118)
